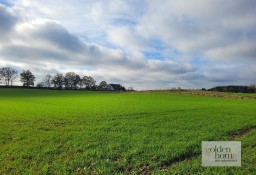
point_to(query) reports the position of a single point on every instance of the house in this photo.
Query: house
(115, 87)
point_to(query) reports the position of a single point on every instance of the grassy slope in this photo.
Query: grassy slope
(193, 166)
(58, 132)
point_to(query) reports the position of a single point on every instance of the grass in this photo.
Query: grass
(193, 165)
(79, 132)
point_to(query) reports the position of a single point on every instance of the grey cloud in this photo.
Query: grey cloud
(169, 67)
(201, 26)
(7, 20)
(238, 74)
(244, 51)
(29, 54)
(36, 45)
(221, 33)
(55, 33)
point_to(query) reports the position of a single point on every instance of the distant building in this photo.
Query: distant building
(115, 87)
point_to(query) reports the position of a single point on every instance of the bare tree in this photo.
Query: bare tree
(85, 81)
(8, 75)
(89, 82)
(47, 80)
(71, 80)
(253, 87)
(81, 83)
(58, 81)
(130, 88)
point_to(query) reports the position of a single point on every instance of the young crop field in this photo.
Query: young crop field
(80, 132)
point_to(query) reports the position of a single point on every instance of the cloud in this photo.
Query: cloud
(7, 22)
(238, 52)
(125, 38)
(145, 44)
(199, 27)
(43, 42)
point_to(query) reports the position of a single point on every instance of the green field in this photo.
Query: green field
(80, 132)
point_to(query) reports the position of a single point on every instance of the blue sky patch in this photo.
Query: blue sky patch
(157, 44)
(154, 56)
(6, 3)
(198, 61)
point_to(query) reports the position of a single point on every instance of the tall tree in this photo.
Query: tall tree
(47, 80)
(81, 83)
(71, 80)
(27, 78)
(58, 81)
(8, 75)
(89, 82)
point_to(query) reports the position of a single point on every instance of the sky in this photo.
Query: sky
(144, 44)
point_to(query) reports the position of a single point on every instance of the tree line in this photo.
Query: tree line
(70, 80)
(242, 89)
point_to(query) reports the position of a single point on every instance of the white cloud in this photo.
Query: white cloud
(108, 40)
(125, 38)
(198, 26)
